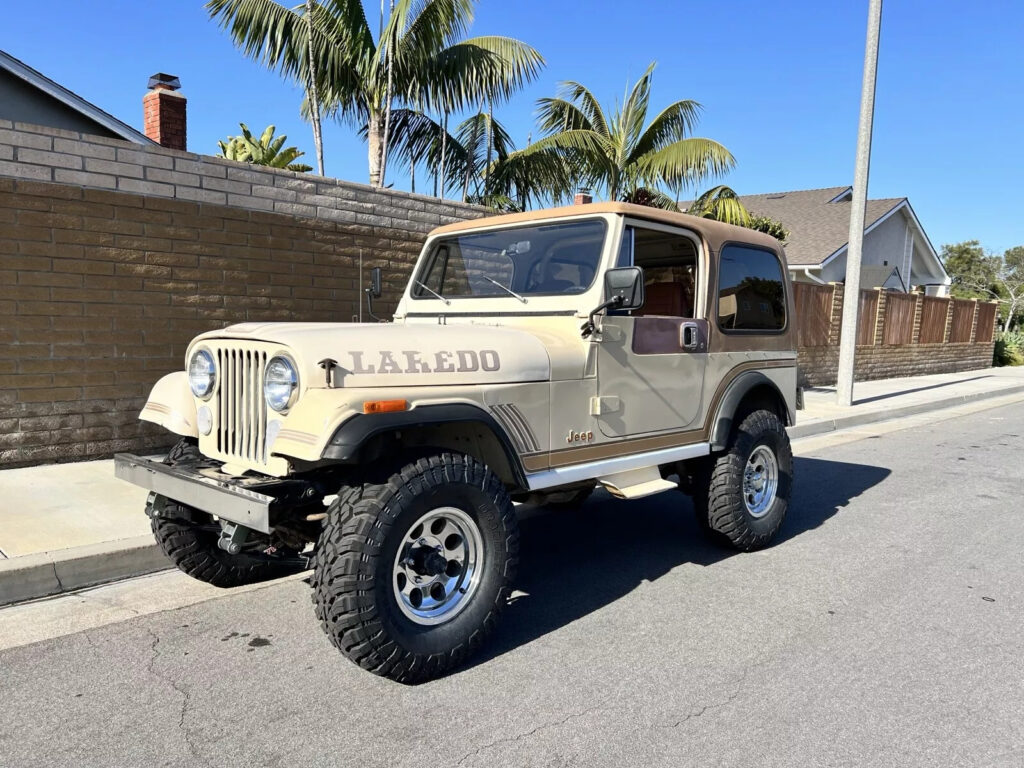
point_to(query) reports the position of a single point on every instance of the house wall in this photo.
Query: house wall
(885, 243)
(24, 103)
(114, 256)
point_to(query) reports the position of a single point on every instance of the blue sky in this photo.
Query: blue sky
(780, 84)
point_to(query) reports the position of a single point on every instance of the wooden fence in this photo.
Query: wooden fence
(891, 318)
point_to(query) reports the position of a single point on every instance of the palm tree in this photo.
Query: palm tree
(419, 58)
(722, 204)
(624, 157)
(266, 150)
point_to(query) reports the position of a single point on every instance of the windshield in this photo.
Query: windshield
(540, 260)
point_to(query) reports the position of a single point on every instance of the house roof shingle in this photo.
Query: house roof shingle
(817, 227)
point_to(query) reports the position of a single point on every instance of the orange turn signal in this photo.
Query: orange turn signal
(384, 406)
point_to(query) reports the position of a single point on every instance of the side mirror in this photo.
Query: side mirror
(372, 292)
(375, 287)
(625, 286)
(623, 289)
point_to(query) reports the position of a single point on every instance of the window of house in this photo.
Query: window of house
(751, 290)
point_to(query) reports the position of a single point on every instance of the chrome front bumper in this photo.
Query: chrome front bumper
(239, 500)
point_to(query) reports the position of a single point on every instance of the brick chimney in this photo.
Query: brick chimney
(163, 110)
(583, 197)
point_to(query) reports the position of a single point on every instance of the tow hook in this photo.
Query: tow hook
(232, 537)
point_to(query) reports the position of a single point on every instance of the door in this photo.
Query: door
(650, 363)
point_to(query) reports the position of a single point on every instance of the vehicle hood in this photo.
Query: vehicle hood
(395, 354)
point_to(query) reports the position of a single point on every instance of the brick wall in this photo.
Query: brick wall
(818, 365)
(113, 256)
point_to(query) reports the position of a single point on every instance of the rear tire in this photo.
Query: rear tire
(741, 497)
(381, 599)
(188, 537)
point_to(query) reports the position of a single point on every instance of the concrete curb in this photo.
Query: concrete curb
(872, 417)
(28, 577)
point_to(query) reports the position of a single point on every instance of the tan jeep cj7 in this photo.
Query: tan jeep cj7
(532, 357)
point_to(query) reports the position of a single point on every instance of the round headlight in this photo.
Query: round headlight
(202, 373)
(280, 383)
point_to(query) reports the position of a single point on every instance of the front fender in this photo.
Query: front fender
(172, 406)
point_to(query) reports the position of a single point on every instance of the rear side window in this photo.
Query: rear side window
(751, 290)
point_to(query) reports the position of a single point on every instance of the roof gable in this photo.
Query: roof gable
(70, 99)
(818, 220)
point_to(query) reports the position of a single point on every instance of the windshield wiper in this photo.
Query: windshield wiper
(505, 288)
(432, 292)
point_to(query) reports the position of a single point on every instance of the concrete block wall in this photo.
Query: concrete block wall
(818, 366)
(113, 256)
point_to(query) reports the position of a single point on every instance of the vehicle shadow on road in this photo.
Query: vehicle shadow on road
(574, 563)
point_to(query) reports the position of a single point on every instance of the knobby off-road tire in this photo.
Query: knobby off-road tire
(357, 586)
(741, 495)
(188, 537)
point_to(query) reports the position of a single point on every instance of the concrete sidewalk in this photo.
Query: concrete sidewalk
(68, 526)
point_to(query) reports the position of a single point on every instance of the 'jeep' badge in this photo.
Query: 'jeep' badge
(411, 361)
(579, 437)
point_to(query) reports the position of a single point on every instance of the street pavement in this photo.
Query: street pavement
(884, 628)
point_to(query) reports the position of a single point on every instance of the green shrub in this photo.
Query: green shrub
(1009, 349)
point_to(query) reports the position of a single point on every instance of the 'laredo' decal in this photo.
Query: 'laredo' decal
(459, 361)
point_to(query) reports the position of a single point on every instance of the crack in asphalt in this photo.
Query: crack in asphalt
(186, 697)
(527, 734)
(740, 682)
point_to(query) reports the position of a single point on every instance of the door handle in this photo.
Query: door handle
(691, 336)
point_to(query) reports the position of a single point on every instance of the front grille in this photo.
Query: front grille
(241, 408)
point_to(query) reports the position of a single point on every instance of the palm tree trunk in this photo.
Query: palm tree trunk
(373, 140)
(412, 172)
(490, 145)
(311, 92)
(471, 156)
(389, 57)
(444, 146)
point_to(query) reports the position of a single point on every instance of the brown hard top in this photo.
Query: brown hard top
(715, 232)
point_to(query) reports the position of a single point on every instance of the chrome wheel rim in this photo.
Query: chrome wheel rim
(760, 481)
(438, 566)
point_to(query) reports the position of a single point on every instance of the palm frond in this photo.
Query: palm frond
(634, 113)
(722, 204)
(673, 123)
(554, 115)
(587, 104)
(463, 75)
(687, 160)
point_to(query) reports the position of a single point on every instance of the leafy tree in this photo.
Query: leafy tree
(972, 269)
(978, 274)
(624, 156)
(769, 226)
(266, 150)
(419, 58)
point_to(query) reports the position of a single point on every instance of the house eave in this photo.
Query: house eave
(71, 100)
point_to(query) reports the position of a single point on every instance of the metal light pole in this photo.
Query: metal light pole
(851, 294)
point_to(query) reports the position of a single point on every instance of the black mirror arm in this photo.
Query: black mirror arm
(588, 328)
(369, 305)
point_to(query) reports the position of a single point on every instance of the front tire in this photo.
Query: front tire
(744, 494)
(414, 568)
(188, 537)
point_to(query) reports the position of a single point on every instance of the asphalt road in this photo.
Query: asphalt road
(883, 629)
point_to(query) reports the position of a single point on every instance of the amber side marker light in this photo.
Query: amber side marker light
(384, 406)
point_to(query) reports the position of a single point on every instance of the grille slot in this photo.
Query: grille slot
(241, 409)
